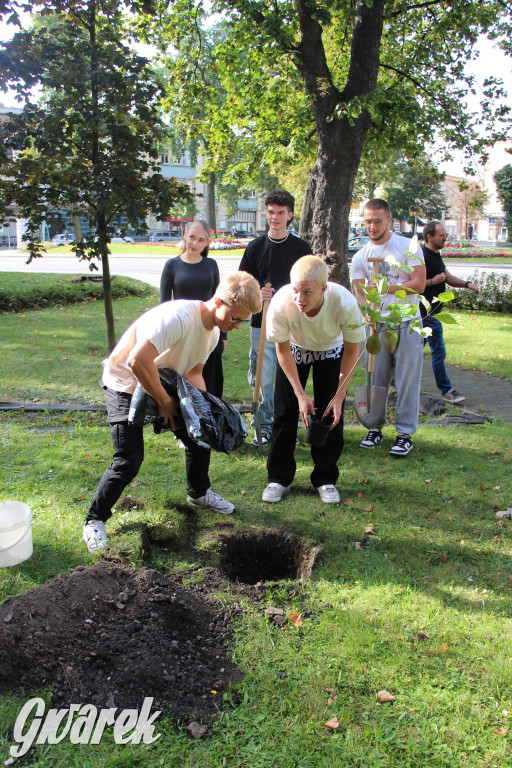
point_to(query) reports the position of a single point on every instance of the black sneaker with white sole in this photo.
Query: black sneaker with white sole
(372, 439)
(403, 445)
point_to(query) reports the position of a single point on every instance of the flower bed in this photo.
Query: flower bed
(473, 252)
(225, 244)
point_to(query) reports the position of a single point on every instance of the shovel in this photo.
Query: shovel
(369, 401)
(259, 368)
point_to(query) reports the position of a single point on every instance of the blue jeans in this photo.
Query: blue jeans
(266, 409)
(436, 343)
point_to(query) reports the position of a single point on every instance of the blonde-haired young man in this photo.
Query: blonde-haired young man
(315, 324)
(178, 335)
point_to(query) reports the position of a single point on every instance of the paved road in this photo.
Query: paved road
(149, 268)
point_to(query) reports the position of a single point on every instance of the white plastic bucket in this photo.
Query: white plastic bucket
(15, 533)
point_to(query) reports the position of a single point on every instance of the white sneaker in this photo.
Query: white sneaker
(212, 501)
(265, 439)
(275, 492)
(328, 494)
(94, 535)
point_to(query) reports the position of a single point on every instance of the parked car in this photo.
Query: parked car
(356, 242)
(166, 236)
(122, 240)
(63, 238)
(243, 233)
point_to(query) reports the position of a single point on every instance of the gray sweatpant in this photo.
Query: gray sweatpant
(404, 367)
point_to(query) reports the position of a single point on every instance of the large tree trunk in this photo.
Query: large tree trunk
(326, 209)
(325, 214)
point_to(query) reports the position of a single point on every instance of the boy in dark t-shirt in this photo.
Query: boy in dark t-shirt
(269, 259)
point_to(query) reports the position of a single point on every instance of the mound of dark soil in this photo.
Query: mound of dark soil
(111, 636)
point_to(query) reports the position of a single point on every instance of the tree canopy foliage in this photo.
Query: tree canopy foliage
(338, 81)
(91, 142)
(416, 192)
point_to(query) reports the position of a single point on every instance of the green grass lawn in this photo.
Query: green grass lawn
(147, 249)
(422, 607)
(481, 342)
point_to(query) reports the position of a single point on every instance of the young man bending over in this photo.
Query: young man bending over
(179, 335)
(315, 325)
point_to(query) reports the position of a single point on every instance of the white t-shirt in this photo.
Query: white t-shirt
(327, 330)
(396, 247)
(176, 330)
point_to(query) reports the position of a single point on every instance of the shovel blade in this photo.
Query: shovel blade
(371, 411)
(257, 425)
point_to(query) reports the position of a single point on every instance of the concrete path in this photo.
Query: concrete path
(486, 395)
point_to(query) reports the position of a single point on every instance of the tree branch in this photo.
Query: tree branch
(414, 7)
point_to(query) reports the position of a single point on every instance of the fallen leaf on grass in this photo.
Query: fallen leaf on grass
(332, 723)
(369, 509)
(361, 495)
(445, 648)
(385, 696)
(295, 619)
(428, 481)
(358, 544)
(348, 502)
(370, 530)
(501, 731)
(332, 696)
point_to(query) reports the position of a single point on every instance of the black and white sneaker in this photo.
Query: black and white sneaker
(452, 396)
(403, 445)
(265, 439)
(372, 439)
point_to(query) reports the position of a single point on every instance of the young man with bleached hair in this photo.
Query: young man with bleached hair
(178, 335)
(315, 325)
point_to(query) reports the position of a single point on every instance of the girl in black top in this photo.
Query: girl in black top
(192, 275)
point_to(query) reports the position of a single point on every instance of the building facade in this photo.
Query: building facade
(249, 216)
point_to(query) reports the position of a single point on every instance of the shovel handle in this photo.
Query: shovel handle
(375, 260)
(259, 365)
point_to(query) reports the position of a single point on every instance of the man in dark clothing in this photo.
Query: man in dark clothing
(269, 259)
(434, 235)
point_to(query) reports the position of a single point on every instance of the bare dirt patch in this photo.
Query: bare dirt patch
(111, 636)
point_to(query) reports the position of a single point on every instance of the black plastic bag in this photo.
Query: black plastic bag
(208, 420)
